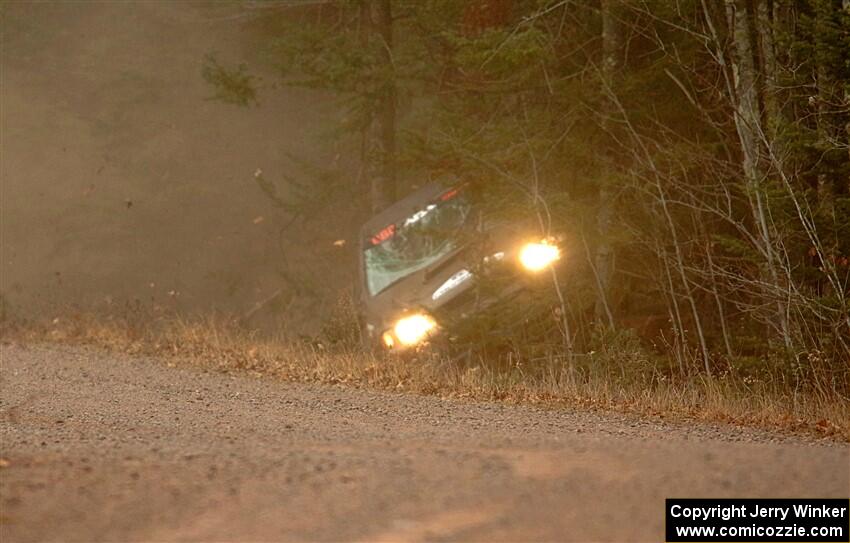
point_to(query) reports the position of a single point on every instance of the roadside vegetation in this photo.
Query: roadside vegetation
(620, 376)
(693, 157)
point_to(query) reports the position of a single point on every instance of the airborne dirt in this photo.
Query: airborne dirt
(121, 180)
(103, 447)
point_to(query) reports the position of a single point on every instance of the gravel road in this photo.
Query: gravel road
(102, 447)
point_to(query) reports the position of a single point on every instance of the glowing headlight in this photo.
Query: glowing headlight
(412, 329)
(536, 256)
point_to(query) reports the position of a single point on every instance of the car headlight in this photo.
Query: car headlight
(412, 329)
(536, 256)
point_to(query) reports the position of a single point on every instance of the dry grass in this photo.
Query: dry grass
(601, 383)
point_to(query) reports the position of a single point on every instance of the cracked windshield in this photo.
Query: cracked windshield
(413, 244)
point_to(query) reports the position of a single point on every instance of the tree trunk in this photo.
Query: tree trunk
(748, 125)
(364, 175)
(846, 6)
(747, 111)
(715, 292)
(673, 308)
(611, 46)
(825, 104)
(768, 22)
(384, 178)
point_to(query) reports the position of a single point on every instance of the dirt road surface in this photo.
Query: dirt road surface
(100, 447)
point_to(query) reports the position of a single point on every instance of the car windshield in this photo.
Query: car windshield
(414, 243)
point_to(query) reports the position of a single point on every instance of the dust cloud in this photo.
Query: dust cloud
(123, 182)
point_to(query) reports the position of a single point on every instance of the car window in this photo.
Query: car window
(414, 243)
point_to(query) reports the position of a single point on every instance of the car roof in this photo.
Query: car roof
(403, 208)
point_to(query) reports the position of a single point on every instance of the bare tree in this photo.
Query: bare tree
(603, 267)
(748, 125)
(768, 22)
(384, 175)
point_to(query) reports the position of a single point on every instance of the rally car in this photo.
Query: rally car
(433, 260)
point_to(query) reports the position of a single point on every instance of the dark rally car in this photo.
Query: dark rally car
(424, 259)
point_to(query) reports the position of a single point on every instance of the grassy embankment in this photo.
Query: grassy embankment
(613, 378)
